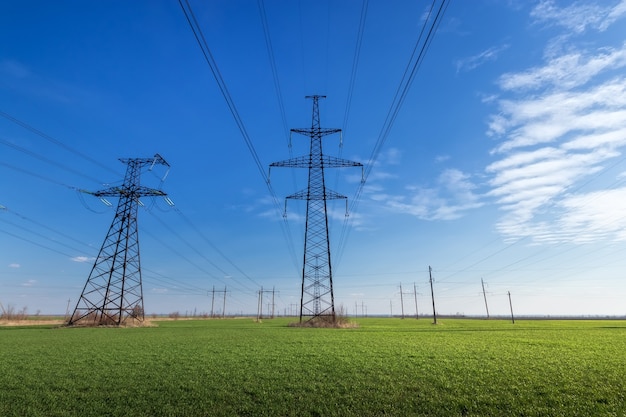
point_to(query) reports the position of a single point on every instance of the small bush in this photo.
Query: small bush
(11, 314)
(339, 321)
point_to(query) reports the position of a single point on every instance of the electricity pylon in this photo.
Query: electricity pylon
(317, 298)
(113, 290)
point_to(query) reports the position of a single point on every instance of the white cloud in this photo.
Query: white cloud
(559, 125)
(29, 283)
(566, 71)
(598, 213)
(475, 61)
(450, 200)
(579, 16)
(14, 265)
(391, 156)
(83, 259)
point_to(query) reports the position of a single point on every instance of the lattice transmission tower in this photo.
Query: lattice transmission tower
(113, 291)
(317, 298)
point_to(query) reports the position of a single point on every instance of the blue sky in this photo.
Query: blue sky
(505, 161)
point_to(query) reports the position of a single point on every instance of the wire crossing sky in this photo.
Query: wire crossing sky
(492, 132)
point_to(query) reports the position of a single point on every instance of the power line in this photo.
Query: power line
(194, 249)
(47, 160)
(355, 62)
(208, 56)
(38, 176)
(412, 67)
(55, 141)
(272, 59)
(407, 79)
(39, 224)
(213, 246)
(39, 234)
(35, 243)
(154, 276)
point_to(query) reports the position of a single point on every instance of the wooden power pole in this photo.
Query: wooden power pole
(511, 305)
(485, 297)
(432, 293)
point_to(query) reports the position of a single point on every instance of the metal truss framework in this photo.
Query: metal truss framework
(317, 298)
(113, 291)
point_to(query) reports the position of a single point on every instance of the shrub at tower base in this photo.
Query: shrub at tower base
(339, 321)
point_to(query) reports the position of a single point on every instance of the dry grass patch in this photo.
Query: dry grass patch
(339, 321)
(31, 322)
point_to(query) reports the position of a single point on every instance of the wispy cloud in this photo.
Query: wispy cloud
(596, 214)
(579, 16)
(561, 123)
(29, 283)
(475, 61)
(452, 196)
(14, 69)
(566, 71)
(14, 265)
(82, 259)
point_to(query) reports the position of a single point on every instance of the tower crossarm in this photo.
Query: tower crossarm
(307, 195)
(156, 160)
(127, 192)
(316, 131)
(309, 162)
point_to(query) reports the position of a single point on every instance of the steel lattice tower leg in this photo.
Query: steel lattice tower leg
(113, 291)
(317, 297)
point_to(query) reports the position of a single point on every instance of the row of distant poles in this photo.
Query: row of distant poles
(113, 292)
(432, 293)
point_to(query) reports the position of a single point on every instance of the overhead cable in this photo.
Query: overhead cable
(422, 44)
(48, 160)
(208, 56)
(55, 141)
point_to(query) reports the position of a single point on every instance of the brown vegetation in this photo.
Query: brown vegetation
(9, 316)
(339, 321)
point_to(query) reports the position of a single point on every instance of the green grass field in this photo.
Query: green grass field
(388, 367)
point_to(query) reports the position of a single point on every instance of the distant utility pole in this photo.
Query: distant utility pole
(417, 316)
(260, 309)
(113, 291)
(317, 298)
(401, 302)
(391, 307)
(485, 297)
(432, 293)
(511, 305)
(224, 304)
(67, 309)
(213, 291)
(408, 293)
